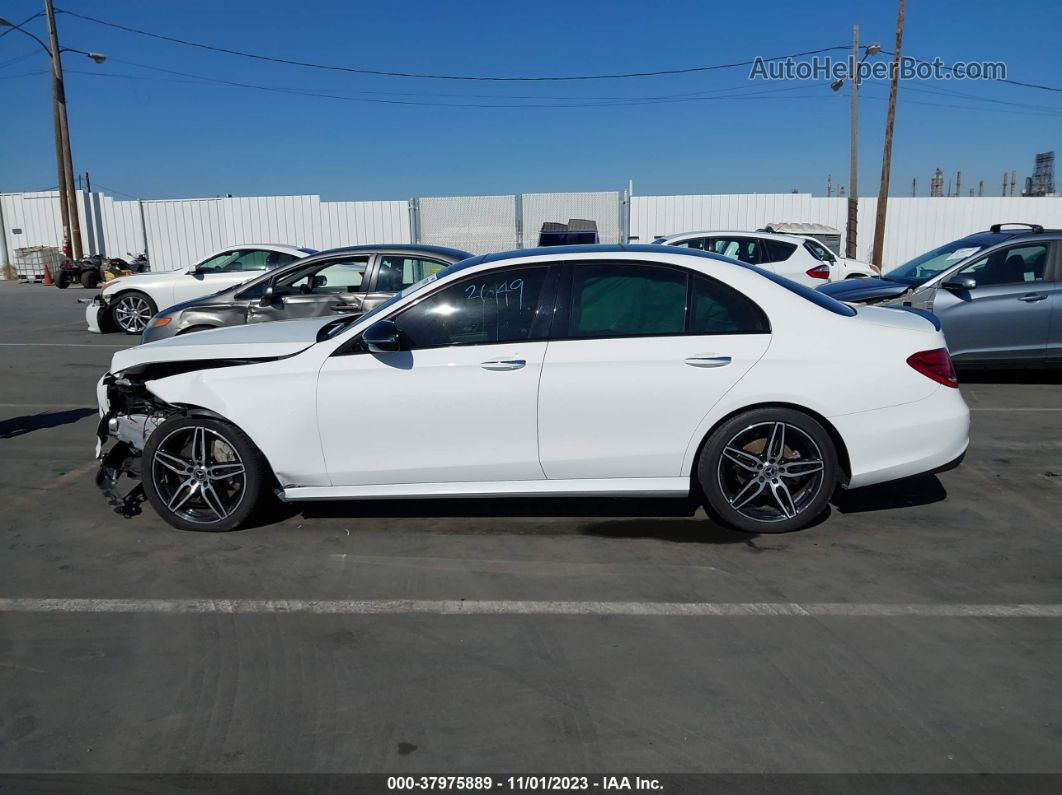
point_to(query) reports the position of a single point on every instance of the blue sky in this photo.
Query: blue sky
(157, 135)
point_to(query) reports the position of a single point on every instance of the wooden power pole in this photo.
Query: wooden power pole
(853, 154)
(886, 160)
(66, 173)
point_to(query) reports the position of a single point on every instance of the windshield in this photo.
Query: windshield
(925, 266)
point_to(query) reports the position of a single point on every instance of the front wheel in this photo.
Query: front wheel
(203, 474)
(132, 311)
(62, 281)
(769, 470)
(90, 280)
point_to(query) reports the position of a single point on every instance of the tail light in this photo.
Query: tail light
(819, 271)
(935, 364)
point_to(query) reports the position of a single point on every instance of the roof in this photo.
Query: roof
(568, 252)
(800, 228)
(442, 251)
(792, 238)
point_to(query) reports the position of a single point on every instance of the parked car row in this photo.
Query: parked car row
(612, 370)
(997, 294)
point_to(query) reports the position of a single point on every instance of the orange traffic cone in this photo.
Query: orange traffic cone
(47, 281)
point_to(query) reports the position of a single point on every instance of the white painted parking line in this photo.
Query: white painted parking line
(524, 608)
(44, 406)
(60, 345)
(1004, 408)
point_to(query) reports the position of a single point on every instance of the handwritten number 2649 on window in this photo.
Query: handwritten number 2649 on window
(509, 293)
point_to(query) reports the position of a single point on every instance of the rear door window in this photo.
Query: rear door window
(619, 300)
(743, 249)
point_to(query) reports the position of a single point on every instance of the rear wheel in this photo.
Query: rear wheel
(132, 311)
(769, 470)
(62, 281)
(90, 279)
(203, 474)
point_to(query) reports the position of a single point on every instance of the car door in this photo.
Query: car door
(393, 273)
(458, 403)
(1007, 314)
(647, 351)
(1054, 336)
(330, 287)
(226, 269)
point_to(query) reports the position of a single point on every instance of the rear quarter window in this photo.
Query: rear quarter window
(777, 250)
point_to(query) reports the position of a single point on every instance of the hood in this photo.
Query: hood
(255, 341)
(139, 280)
(868, 289)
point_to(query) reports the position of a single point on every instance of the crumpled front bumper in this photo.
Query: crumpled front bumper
(94, 312)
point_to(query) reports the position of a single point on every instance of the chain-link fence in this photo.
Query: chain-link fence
(479, 224)
(482, 224)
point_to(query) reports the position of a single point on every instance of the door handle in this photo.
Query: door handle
(344, 309)
(1031, 298)
(504, 364)
(708, 361)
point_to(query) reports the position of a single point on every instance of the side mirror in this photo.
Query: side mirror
(267, 297)
(382, 337)
(961, 283)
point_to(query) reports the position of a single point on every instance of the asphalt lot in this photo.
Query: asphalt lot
(510, 687)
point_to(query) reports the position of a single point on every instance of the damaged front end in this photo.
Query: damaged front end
(129, 414)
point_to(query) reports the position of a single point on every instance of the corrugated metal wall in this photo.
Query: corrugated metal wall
(181, 231)
(914, 225)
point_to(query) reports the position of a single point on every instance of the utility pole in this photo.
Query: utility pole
(886, 160)
(980, 189)
(853, 155)
(59, 96)
(88, 183)
(958, 183)
(914, 186)
(63, 161)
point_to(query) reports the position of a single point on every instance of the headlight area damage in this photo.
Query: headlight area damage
(132, 414)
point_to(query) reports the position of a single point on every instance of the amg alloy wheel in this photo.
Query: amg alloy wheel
(768, 470)
(132, 311)
(202, 474)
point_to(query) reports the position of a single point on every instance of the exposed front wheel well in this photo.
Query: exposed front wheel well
(835, 437)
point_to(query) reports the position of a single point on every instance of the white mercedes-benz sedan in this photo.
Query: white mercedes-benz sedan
(584, 370)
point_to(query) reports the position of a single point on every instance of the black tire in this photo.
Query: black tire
(178, 469)
(90, 280)
(62, 281)
(749, 489)
(132, 311)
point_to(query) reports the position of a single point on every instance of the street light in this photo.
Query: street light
(853, 165)
(63, 159)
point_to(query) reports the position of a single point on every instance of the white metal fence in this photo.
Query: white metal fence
(177, 232)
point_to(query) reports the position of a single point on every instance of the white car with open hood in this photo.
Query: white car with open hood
(129, 302)
(596, 370)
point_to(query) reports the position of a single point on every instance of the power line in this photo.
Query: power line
(994, 79)
(20, 24)
(324, 93)
(112, 190)
(429, 76)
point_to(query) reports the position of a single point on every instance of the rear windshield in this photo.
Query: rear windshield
(807, 293)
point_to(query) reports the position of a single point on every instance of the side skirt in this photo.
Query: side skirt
(583, 487)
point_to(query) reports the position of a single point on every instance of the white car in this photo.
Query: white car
(581, 370)
(129, 302)
(802, 259)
